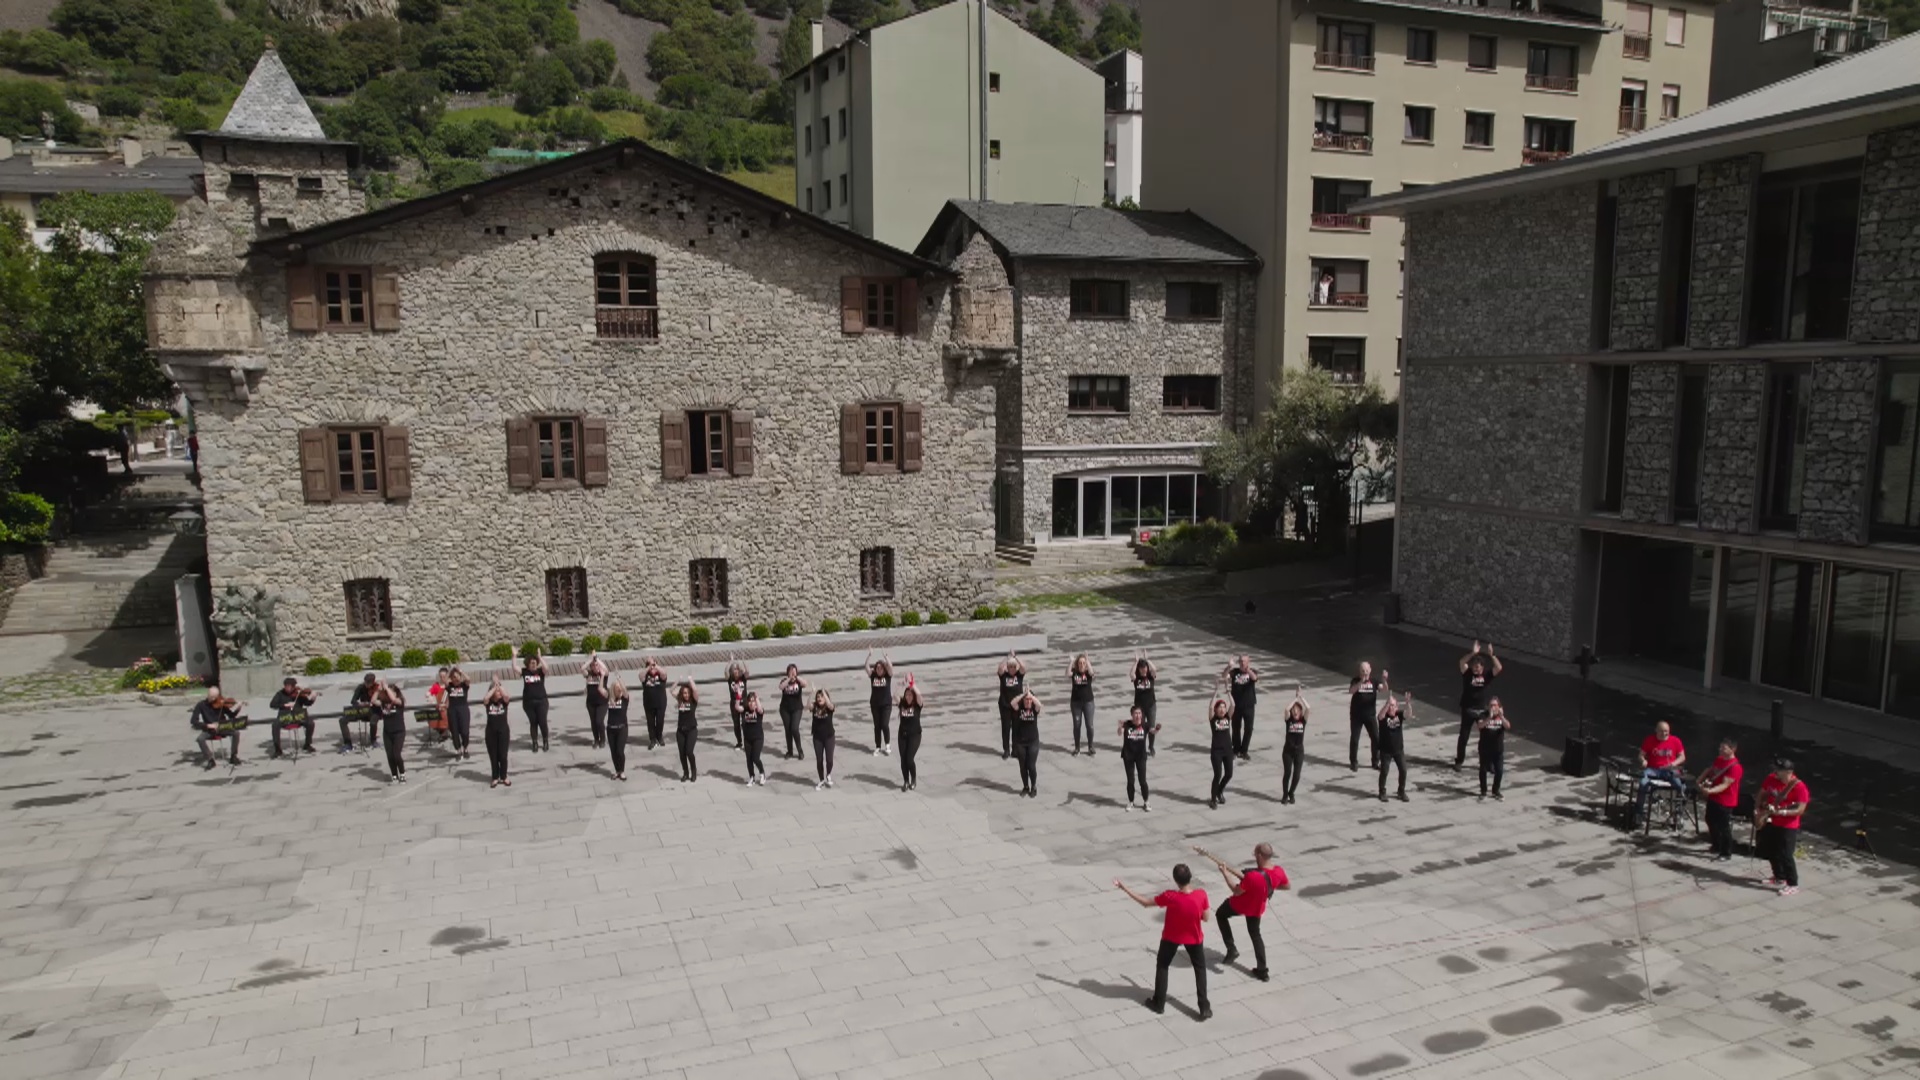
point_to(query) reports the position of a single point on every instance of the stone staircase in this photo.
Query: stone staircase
(105, 581)
(1048, 559)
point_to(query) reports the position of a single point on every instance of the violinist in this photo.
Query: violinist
(290, 710)
(360, 709)
(213, 718)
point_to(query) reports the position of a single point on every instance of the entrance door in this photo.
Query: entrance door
(1093, 508)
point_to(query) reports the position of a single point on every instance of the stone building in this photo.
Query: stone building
(613, 392)
(1131, 340)
(1663, 396)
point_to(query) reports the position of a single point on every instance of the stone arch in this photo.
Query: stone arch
(363, 411)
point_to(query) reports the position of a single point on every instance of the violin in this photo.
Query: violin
(225, 704)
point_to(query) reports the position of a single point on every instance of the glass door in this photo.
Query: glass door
(1093, 508)
(1857, 636)
(1793, 620)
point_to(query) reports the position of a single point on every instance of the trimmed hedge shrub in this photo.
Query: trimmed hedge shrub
(783, 628)
(857, 623)
(413, 658)
(1191, 544)
(760, 632)
(909, 618)
(591, 643)
(618, 642)
(699, 635)
(883, 622)
(347, 662)
(729, 632)
(529, 648)
(319, 665)
(829, 626)
(444, 657)
(560, 646)
(380, 659)
(1003, 612)
(502, 651)
(671, 637)
(938, 618)
(982, 613)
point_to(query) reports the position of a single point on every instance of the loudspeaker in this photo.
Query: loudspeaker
(1582, 757)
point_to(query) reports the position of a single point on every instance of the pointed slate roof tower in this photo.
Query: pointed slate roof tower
(270, 105)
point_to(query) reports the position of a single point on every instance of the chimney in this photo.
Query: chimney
(130, 152)
(819, 37)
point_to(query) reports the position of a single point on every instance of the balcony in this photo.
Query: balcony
(1340, 140)
(627, 323)
(1343, 222)
(1338, 300)
(1564, 84)
(1112, 157)
(1636, 46)
(1340, 61)
(1530, 156)
(1632, 119)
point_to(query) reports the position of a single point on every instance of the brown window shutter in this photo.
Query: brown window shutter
(673, 446)
(593, 444)
(909, 315)
(853, 440)
(303, 308)
(853, 305)
(742, 421)
(386, 298)
(911, 424)
(519, 453)
(316, 483)
(395, 459)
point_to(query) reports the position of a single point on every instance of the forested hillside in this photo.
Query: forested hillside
(429, 87)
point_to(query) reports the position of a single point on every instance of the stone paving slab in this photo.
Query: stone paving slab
(306, 919)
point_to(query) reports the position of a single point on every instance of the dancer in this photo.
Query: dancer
(290, 700)
(880, 675)
(653, 701)
(595, 673)
(459, 711)
(1251, 890)
(616, 741)
(793, 690)
(736, 697)
(1220, 720)
(1294, 754)
(209, 715)
(753, 727)
(686, 728)
(1243, 678)
(1012, 676)
(1080, 703)
(1135, 732)
(533, 699)
(1362, 707)
(1143, 680)
(1493, 747)
(823, 738)
(910, 710)
(1721, 786)
(496, 735)
(1661, 756)
(392, 706)
(1393, 744)
(1477, 671)
(1783, 798)
(1026, 742)
(1184, 928)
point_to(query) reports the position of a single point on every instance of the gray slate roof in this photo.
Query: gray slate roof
(270, 106)
(1055, 231)
(169, 176)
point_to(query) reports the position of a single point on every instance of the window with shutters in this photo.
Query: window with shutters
(1091, 298)
(369, 610)
(549, 452)
(356, 463)
(1097, 393)
(706, 443)
(709, 444)
(625, 302)
(344, 299)
(567, 595)
(881, 435)
(876, 572)
(881, 305)
(707, 584)
(556, 442)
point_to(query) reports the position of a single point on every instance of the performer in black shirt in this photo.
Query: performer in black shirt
(753, 727)
(1026, 741)
(880, 677)
(533, 701)
(497, 736)
(1493, 747)
(459, 711)
(595, 673)
(1220, 721)
(1011, 676)
(793, 702)
(736, 697)
(392, 707)
(1393, 747)
(362, 699)
(1293, 755)
(1362, 708)
(910, 710)
(290, 702)
(208, 714)
(1080, 700)
(823, 738)
(1477, 671)
(686, 728)
(617, 703)
(1243, 679)
(1143, 680)
(653, 700)
(1134, 733)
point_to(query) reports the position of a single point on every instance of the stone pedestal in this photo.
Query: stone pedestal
(249, 681)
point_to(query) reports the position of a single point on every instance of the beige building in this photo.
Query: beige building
(888, 124)
(1270, 118)
(31, 173)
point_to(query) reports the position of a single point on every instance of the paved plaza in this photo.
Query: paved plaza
(307, 921)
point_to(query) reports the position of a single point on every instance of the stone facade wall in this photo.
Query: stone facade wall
(1730, 460)
(1886, 269)
(1722, 213)
(497, 316)
(1495, 434)
(1473, 290)
(1640, 216)
(982, 299)
(1653, 402)
(277, 202)
(1840, 451)
(1499, 578)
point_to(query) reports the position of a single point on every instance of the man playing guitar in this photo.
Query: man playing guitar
(216, 718)
(1720, 786)
(1776, 820)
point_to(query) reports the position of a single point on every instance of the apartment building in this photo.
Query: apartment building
(1718, 354)
(1271, 118)
(1125, 75)
(1757, 43)
(894, 121)
(32, 173)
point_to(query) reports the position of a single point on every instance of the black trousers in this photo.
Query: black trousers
(909, 750)
(1393, 751)
(755, 739)
(617, 743)
(1006, 730)
(1135, 763)
(737, 741)
(684, 738)
(497, 738)
(1777, 845)
(1468, 718)
(1493, 762)
(1222, 914)
(1146, 715)
(597, 716)
(1222, 772)
(1292, 756)
(790, 725)
(656, 725)
(1719, 829)
(1243, 727)
(1028, 754)
(1195, 956)
(308, 746)
(823, 754)
(882, 722)
(536, 710)
(1357, 724)
(396, 742)
(460, 727)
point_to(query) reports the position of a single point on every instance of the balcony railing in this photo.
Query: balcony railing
(1343, 61)
(1636, 46)
(1343, 222)
(1339, 300)
(632, 323)
(1564, 83)
(1340, 140)
(1530, 156)
(1632, 119)
(1345, 372)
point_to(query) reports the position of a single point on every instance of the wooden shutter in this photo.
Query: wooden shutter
(520, 453)
(593, 451)
(386, 298)
(673, 446)
(303, 308)
(909, 313)
(853, 305)
(912, 421)
(396, 462)
(316, 481)
(853, 439)
(742, 422)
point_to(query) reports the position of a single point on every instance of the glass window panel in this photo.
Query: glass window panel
(1856, 636)
(1793, 614)
(1153, 502)
(1126, 504)
(1740, 597)
(1180, 498)
(1066, 507)
(1093, 508)
(1788, 390)
(1903, 690)
(1896, 492)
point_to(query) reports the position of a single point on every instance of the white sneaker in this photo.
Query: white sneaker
(829, 781)
(1145, 809)
(876, 751)
(887, 749)
(820, 786)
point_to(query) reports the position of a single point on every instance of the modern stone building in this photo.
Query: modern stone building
(1271, 118)
(888, 125)
(1130, 336)
(1663, 396)
(608, 393)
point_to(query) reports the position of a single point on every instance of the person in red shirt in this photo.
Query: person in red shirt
(1720, 785)
(1783, 798)
(1251, 889)
(1184, 929)
(1661, 757)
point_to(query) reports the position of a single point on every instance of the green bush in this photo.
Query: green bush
(529, 648)
(319, 665)
(502, 651)
(445, 657)
(413, 658)
(883, 622)
(380, 659)
(618, 642)
(1273, 551)
(783, 628)
(346, 662)
(1188, 544)
(699, 635)
(909, 618)
(145, 668)
(729, 632)
(760, 632)
(25, 518)
(591, 643)
(560, 646)
(982, 613)
(1004, 611)
(829, 626)
(671, 637)
(121, 101)
(857, 623)
(938, 618)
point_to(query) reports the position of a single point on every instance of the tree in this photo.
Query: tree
(1060, 27)
(1118, 28)
(1317, 445)
(23, 103)
(865, 14)
(796, 47)
(545, 84)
